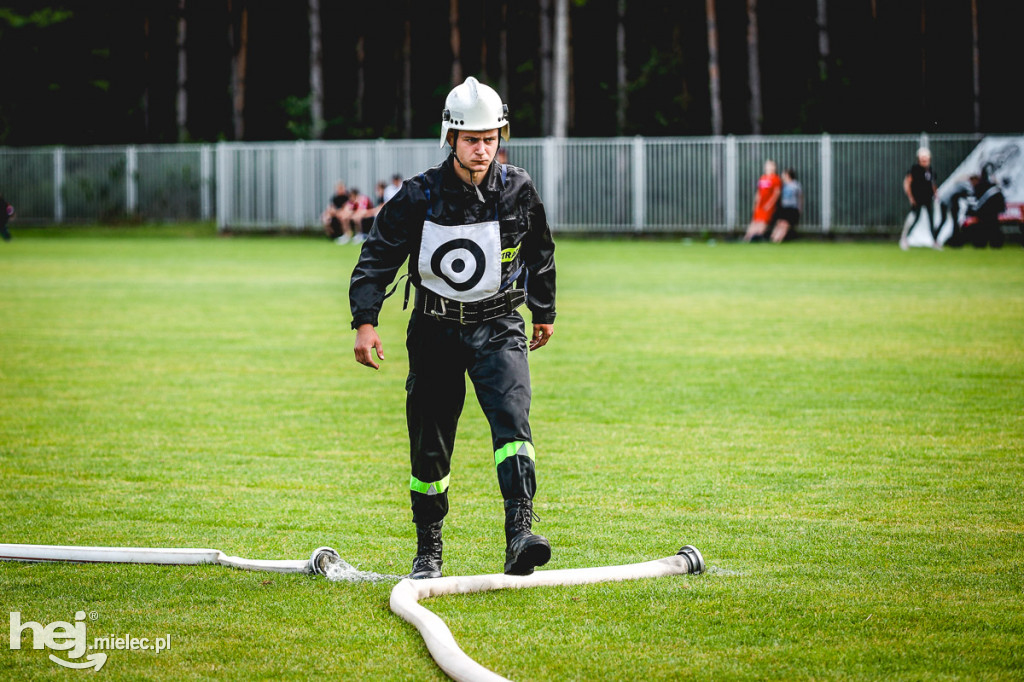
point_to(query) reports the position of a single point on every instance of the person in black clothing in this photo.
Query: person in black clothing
(331, 216)
(986, 205)
(6, 213)
(951, 206)
(479, 246)
(919, 186)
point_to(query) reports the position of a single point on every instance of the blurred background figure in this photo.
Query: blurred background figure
(392, 189)
(986, 205)
(331, 217)
(791, 206)
(769, 188)
(6, 213)
(919, 186)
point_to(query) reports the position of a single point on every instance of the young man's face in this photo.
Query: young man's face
(476, 149)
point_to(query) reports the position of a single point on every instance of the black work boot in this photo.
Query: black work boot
(427, 563)
(523, 550)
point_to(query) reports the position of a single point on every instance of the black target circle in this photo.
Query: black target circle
(449, 262)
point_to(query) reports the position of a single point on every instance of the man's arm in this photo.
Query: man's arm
(367, 341)
(542, 333)
(539, 258)
(380, 258)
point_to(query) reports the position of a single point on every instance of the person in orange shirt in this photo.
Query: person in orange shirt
(769, 188)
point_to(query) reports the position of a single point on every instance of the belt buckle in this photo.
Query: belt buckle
(462, 310)
(438, 314)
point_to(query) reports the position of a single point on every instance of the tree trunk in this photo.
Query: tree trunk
(545, 67)
(407, 76)
(316, 75)
(148, 76)
(360, 75)
(503, 51)
(976, 58)
(714, 80)
(823, 48)
(238, 37)
(560, 99)
(456, 41)
(620, 70)
(181, 103)
(483, 46)
(924, 63)
(754, 69)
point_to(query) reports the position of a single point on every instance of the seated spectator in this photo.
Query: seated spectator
(392, 189)
(6, 213)
(988, 202)
(331, 217)
(351, 217)
(953, 204)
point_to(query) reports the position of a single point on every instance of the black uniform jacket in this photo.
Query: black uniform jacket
(525, 236)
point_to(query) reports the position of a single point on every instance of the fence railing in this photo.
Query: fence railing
(852, 184)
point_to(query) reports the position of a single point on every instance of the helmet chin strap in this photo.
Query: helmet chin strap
(479, 194)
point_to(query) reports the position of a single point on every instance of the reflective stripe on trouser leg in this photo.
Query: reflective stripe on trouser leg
(501, 378)
(515, 464)
(435, 395)
(429, 500)
(429, 487)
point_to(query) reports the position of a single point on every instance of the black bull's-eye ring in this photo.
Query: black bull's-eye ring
(480, 263)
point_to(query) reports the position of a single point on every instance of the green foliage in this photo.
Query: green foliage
(47, 16)
(836, 427)
(297, 110)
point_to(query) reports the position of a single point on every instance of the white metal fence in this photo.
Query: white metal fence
(852, 184)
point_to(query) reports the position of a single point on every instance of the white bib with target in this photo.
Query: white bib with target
(461, 262)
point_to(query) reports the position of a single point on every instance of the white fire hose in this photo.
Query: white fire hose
(405, 596)
(438, 638)
(318, 563)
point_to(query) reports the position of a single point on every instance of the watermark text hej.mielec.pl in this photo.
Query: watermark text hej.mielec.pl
(71, 637)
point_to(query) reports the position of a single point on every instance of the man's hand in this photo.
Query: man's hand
(366, 342)
(541, 335)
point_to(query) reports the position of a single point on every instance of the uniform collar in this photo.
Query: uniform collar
(491, 183)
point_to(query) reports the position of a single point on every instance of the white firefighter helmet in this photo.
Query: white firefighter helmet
(473, 106)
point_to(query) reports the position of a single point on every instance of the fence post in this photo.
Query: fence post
(552, 178)
(205, 178)
(639, 184)
(131, 172)
(58, 185)
(298, 205)
(826, 183)
(731, 182)
(223, 183)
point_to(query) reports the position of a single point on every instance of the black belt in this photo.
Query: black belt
(476, 312)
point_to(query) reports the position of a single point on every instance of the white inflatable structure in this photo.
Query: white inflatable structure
(1002, 158)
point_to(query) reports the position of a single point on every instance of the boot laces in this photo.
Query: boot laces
(523, 518)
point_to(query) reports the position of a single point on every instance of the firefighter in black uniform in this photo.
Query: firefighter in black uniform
(479, 246)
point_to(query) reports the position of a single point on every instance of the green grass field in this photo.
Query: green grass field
(837, 427)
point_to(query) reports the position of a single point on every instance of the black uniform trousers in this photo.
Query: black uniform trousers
(441, 353)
